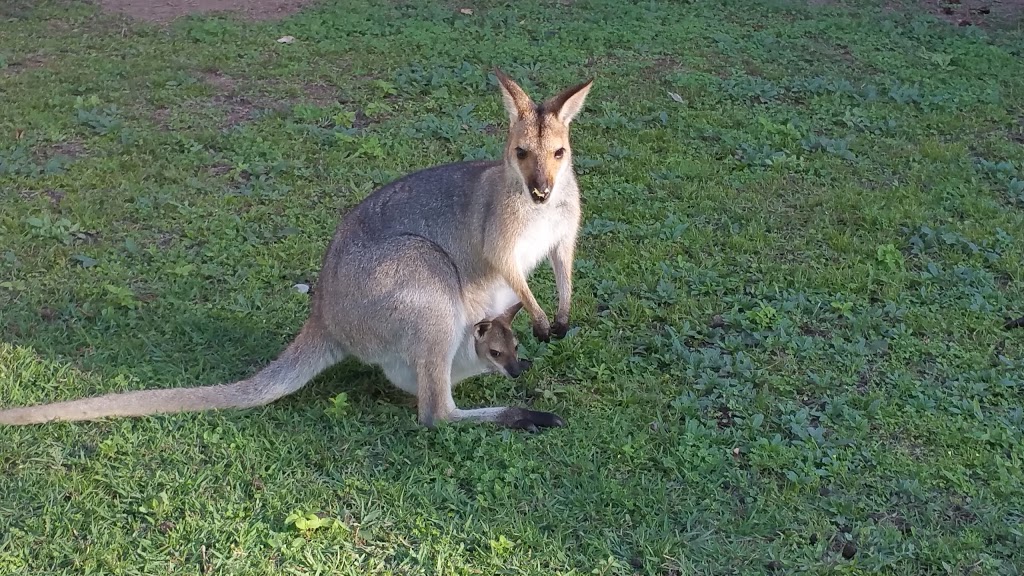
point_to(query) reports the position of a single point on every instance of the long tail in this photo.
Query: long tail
(303, 359)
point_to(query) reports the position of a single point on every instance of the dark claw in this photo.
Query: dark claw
(542, 334)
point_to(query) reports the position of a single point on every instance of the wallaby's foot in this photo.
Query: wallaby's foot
(530, 420)
(508, 417)
(560, 329)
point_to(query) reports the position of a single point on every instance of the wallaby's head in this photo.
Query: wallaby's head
(497, 345)
(538, 148)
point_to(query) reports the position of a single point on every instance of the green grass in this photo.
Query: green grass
(803, 233)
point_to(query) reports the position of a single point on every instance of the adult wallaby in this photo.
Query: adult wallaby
(410, 273)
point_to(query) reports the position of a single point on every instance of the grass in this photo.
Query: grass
(803, 233)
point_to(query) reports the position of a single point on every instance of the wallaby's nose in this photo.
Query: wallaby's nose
(540, 188)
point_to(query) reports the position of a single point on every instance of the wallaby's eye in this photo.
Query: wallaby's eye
(559, 153)
(495, 353)
(520, 153)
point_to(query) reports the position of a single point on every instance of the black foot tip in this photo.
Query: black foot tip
(533, 420)
(560, 329)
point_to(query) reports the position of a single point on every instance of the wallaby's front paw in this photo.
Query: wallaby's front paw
(542, 330)
(560, 328)
(531, 420)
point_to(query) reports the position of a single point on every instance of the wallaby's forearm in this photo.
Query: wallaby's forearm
(561, 265)
(517, 282)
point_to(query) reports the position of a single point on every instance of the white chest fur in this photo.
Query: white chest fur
(538, 239)
(545, 230)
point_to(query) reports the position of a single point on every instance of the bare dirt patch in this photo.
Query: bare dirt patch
(69, 148)
(237, 104)
(981, 13)
(162, 118)
(221, 82)
(321, 94)
(164, 11)
(219, 168)
(985, 13)
(240, 109)
(65, 151)
(239, 100)
(29, 62)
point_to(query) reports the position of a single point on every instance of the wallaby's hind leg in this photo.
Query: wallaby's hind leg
(435, 403)
(510, 417)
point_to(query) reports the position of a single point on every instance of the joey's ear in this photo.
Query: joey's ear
(481, 328)
(509, 315)
(566, 105)
(517, 103)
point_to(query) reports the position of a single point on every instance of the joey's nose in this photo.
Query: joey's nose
(514, 370)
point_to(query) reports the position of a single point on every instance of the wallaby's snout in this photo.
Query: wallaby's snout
(540, 189)
(538, 168)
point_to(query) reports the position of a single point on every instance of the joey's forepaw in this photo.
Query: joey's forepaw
(531, 420)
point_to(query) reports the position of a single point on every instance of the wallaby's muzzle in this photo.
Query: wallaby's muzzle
(540, 187)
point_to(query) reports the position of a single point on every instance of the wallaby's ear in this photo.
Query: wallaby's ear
(509, 315)
(517, 103)
(566, 105)
(481, 328)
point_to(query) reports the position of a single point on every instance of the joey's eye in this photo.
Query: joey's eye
(520, 153)
(495, 353)
(559, 153)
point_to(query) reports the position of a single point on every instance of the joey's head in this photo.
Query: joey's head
(497, 345)
(537, 150)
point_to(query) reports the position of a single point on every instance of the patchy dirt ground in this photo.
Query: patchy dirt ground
(168, 10)
(981, 13)
(959, 12)
(985, 13)
(238, 101)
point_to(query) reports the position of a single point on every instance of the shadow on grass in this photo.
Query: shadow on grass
(172, 349)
